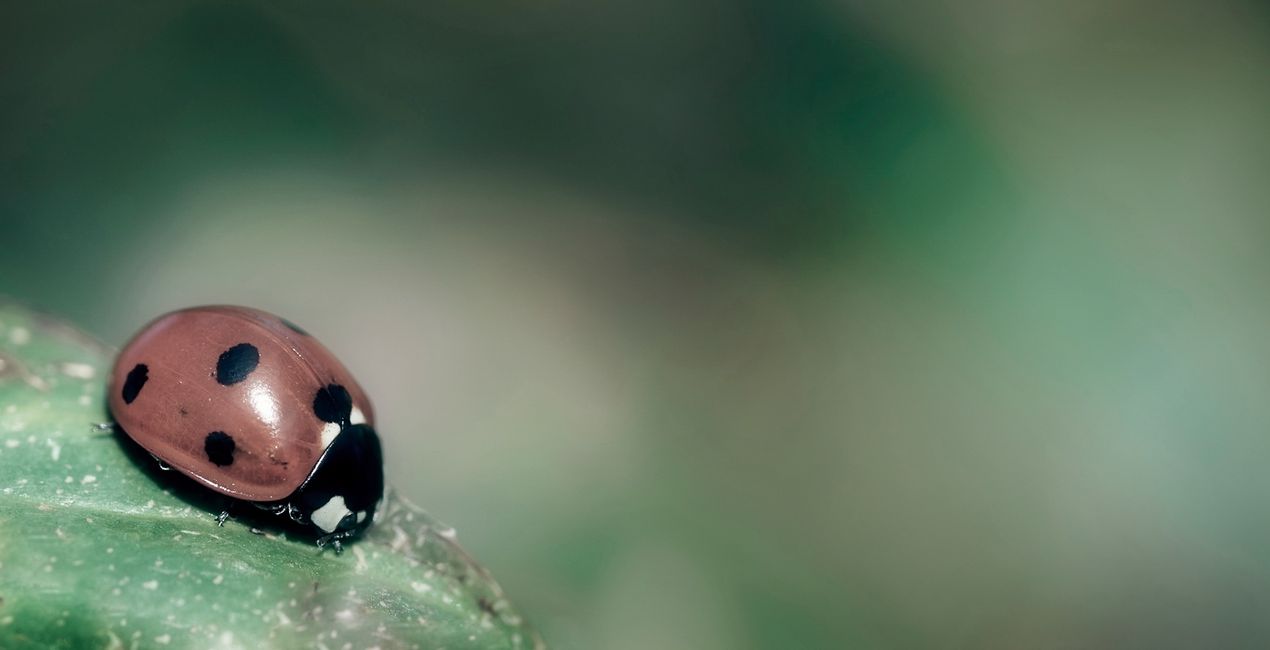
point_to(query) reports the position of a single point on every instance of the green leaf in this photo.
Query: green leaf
(98, 548)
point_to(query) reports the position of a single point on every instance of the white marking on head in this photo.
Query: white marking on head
(357, 417)
(329, 432)
(328, 517)
(361, 516)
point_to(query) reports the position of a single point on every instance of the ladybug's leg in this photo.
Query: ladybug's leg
(272, 508)
(296, 514)
(334, 540)
(227, 505)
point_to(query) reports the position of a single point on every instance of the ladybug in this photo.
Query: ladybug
(253, 407)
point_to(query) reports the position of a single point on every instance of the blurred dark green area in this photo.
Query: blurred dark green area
(720, 324)
(771, 126)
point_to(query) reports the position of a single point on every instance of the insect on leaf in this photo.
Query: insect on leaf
(99, 548)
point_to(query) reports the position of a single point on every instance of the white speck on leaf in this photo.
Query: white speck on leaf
(218, 579)
(19, 336)
(150, 584)
(400, 539)
(78, 370)
(163, 639)
(88, 478)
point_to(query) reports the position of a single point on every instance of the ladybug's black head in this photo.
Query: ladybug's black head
(340, 496)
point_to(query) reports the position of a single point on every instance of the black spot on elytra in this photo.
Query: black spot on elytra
(293, 327)
(236, 363)
(220, 448)
(136, 379)
(333, 404)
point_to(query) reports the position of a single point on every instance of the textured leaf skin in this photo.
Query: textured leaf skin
(101, 549)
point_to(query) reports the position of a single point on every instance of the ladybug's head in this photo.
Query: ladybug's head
(340, 496)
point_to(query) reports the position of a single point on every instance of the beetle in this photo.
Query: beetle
(251, 406)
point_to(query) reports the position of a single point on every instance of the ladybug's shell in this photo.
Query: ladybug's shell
(277, 438)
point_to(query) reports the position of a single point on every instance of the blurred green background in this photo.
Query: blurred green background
(729, 324)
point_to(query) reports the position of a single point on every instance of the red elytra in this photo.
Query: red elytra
(251, 406)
